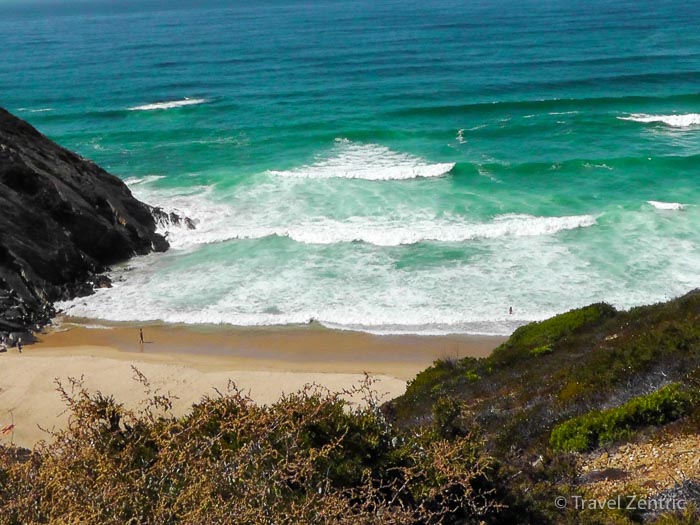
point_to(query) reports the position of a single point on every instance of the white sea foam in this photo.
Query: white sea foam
(467, 286)
(218, 222)
(285, 208)
(393, 233)
(362, 287)
(675, 121)
(666, 205)
(213, 229)
(397, 322)
(367, 161)
(598, 166)
(133, 181)
(359, 288)
(170, 104)
(38, 110)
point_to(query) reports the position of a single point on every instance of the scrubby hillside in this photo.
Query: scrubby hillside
(587, 359)
(586, 406)
(584, 382)
(309, 458)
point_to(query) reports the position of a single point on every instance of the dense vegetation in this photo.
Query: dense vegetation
(600, 427)
(471, 441)
(589, 377)
(592, 358)
(309, 458)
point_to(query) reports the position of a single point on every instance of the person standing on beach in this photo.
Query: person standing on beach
(19, 345)
(141, 335)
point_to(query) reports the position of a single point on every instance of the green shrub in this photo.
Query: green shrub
(554, 328)
(546, 333)
(471, 375)
(542, 350)
(599, 427)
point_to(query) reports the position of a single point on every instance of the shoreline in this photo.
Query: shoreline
(194, 361)
(300, 348)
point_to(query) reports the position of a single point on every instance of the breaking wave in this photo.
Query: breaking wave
(666, 205)
(170, 104)
(350, 160)
(675, 121)
(218, 222)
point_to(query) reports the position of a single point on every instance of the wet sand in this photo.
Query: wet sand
(309, 348)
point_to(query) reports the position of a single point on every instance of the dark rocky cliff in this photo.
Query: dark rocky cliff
(63, 219)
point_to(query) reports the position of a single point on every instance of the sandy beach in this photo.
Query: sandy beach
(191, 362)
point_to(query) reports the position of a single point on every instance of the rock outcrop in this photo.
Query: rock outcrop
(63, 220)
(167, 219)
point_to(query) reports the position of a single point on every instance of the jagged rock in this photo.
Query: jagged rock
(63, 219)
(167, 219)
(102, 281)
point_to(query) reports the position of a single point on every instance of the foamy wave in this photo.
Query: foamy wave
(666, 205)
(378, 324)
(484, 328)
(97, 327)
(369, 162)
(675, 121)
(218, 223)
(39, 110)
(598, 166)
(170, 104)
(133, 181)
(384, 233)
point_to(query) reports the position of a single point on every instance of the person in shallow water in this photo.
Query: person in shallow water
(510, 310)
(141, 335)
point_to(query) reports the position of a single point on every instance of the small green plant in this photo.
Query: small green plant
(542, 350)
(600, 427)
(471, 375)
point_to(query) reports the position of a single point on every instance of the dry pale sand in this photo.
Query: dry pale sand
(191, 362)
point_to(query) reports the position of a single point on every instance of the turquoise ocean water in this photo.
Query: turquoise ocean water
(380, 165)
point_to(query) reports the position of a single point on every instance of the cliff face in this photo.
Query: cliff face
(63, 219)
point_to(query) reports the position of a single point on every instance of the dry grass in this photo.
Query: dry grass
(309, 458)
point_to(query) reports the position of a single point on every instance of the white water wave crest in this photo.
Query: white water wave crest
(218, 222)
(666, 205)
(675, 121)
(360, 287)
(394, 233)
(133, 181)
(367, 161)
(39, 110)
(169, 104)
